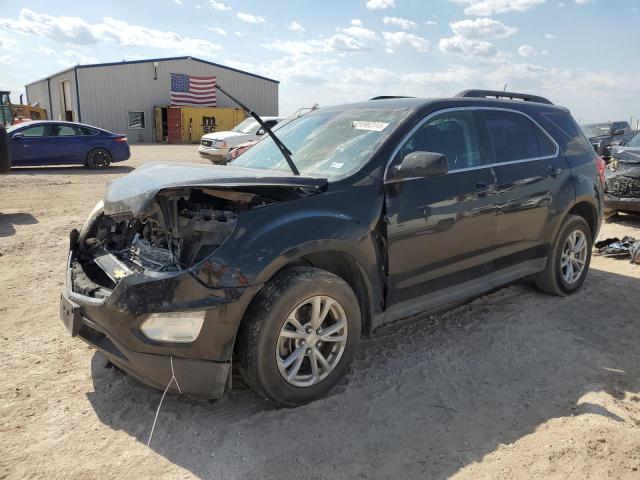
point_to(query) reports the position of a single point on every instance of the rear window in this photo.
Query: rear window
(515, 137)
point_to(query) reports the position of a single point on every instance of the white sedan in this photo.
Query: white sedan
(215, 146)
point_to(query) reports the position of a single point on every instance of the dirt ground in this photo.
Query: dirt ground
(515, 384)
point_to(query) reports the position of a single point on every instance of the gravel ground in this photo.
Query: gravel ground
(515, 384)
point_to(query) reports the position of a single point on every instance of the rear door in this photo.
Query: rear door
(69, 146)
(530, 174)
(440, 230)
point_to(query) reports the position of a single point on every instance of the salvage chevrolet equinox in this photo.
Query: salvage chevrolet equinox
(352, 217)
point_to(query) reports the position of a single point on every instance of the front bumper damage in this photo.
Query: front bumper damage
(622, 185)
(111, 326)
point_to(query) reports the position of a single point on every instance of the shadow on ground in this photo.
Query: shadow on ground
(8, 220)
(70, 170)
(423, 400)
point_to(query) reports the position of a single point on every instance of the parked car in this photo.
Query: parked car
(215, 146)
(603, 136)
(401, 205)
(622, 189)
(52, 143)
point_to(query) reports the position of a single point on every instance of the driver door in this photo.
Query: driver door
(441, 230)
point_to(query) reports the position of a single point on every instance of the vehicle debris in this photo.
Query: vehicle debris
(614, 247)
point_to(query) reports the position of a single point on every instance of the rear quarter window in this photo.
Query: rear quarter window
(568, 134)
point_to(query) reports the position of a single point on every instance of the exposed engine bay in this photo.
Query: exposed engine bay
(179, 228)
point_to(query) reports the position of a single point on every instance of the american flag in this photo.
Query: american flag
(190, 90)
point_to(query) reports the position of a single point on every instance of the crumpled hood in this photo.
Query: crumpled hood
(133, 192)
(626, 154)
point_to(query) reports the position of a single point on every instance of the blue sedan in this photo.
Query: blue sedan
(55, 143)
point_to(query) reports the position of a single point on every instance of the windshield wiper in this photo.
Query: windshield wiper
(286, 153)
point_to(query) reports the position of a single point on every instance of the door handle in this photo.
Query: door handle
(481, 186)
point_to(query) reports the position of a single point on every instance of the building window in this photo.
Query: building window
(136, 120)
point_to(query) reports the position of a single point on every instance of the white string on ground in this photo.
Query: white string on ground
(173, 379)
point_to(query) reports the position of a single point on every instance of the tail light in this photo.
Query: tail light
(121, 139)
(600, 163)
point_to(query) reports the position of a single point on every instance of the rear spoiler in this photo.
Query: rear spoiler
(499, 94)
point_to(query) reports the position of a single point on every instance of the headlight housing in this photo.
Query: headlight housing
(97, 210)
(174, 327)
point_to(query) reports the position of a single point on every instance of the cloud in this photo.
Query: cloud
(178, 2)
(75, 30)
(491, 7)
(72, 57)
(529, 51)
(7, 59)
(218, 5)
(550, 36)
(400, 22)
(296, 27)
(466, 47)
(380, 4)
(430, 22)
(249, 18)
(471, 37)
(584, 2)
(360, 33)
(482, 28)
(356, 22)
(44, 50)
(218, 30)
(395, 40)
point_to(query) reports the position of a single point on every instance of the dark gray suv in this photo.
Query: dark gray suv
(353, 217)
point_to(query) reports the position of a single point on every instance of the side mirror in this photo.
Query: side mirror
(422, 164)
(5, 160)
(17, 136)
(619, 132)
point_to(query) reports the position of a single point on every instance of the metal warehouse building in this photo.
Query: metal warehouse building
(133, 97)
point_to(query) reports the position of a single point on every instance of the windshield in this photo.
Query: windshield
(596, 129)
(249, 126)
(634, 141)
(329, 144)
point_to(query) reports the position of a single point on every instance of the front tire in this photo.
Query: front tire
(98, 159)
(300, 336)
(568, 263)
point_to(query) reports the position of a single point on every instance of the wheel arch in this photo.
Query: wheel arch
(589, 212)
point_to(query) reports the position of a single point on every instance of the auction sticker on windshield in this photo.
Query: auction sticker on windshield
(371, 126)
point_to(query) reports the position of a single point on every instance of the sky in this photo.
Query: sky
(582, 54)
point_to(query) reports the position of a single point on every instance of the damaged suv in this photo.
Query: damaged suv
(352, 217)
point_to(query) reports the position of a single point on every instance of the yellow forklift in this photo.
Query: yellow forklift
(15, 113)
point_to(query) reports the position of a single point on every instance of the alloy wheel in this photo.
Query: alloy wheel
(311, 341)
(574, 257)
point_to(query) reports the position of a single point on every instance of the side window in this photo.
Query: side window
(514, 136)
(37, 131)
(65, 131)
(453, 134)
(84, 131)
(620, 126)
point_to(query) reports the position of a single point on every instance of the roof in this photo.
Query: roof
(165, 59)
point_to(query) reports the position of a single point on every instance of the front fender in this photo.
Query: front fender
(267, 239)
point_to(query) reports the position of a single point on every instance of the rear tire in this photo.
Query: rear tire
(98, 159)
(282, 327)
(568, 262)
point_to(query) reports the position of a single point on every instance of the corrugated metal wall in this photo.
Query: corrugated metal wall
(38, 92)
(107, 93)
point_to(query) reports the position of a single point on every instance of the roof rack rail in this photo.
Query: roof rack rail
(387, 97)
(499, 94)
